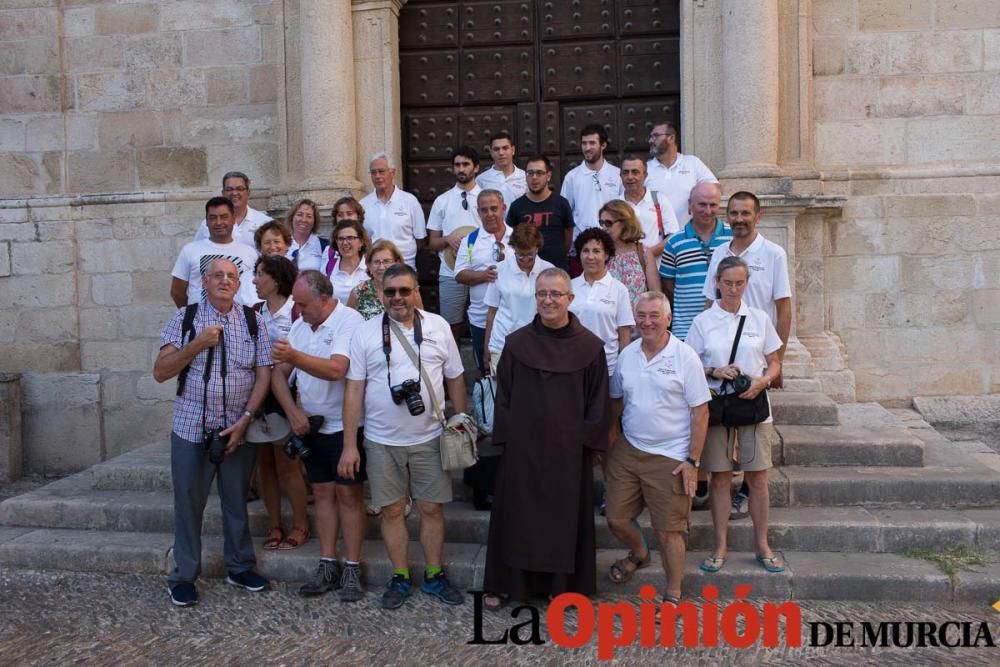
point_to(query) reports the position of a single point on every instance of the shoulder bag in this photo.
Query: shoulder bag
(731, 410)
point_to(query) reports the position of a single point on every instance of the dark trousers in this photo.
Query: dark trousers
(192, 478)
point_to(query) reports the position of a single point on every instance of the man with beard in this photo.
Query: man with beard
(453, 217)
(236, 188)
(673, 173)
(550, 414)
(546, 210)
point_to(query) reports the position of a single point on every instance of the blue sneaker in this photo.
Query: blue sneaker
(248, 580)
(396, 592)
(441, 588)
(183, 594)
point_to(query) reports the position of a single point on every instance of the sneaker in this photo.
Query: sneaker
(183, 594)
(351, 587)
(741, 506)
(700, 502)
(442, 589)
(326, 579)
(396, 592)
(248, 580)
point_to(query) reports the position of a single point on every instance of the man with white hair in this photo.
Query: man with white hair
(660, 392)
(391, 213)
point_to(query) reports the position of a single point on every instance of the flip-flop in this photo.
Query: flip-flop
(712, 564)
(772, 564)
(291, 542)
(274, 538)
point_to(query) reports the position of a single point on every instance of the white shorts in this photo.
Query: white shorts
(453, 300)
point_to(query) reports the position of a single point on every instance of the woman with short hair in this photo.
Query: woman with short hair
(366, 297)
(348, 270)
(307, 248)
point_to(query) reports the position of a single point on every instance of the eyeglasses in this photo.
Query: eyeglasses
(535, 173)
(401, 291)
(382, 262)
(465, 201)
(526, 255)
(497, 251)
(346, 239)
(657, 135)
(542, 295)
(608, 224)
(237, 189)
(232, 277)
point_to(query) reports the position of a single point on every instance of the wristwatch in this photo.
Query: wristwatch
(695, 464)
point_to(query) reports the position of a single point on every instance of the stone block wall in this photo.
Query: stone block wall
(158, 95)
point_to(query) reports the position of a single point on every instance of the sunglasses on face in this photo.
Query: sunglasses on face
(401, 291)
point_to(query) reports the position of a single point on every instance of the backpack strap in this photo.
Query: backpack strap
(472, 241)
(250, 315)
(187, 331)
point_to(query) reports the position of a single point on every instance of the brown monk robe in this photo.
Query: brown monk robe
(550, 412)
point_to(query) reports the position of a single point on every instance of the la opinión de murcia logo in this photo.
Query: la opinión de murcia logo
(737, 624)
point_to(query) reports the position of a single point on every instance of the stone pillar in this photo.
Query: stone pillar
(11, 457)
(376, 73)
(329, 130)
(751, 85)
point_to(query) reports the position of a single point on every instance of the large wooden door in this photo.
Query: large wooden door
(539, 69)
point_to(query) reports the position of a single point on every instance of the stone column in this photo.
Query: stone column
(376, 72)
(751, 85)
(329, 130)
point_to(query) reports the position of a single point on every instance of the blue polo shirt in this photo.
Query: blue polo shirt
(685, 260)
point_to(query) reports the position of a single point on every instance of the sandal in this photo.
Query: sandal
(771, 564)
(620, 574)
(495, 601)
(291, 542)
(671, 599)
(712, 564)
(274, 538)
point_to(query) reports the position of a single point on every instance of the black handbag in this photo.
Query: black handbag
(731, 410)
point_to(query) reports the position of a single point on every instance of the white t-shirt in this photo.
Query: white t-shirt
(513, 295)
(195, 257)
(658, 397)
(768, 274)
(602, 308)
(385, 422)
(511, 187)
(677, 180)
(448, 214)
(279, 324)
(308, 256)
(712, 333)
(400, 220)
(243, 232)
(645, 210)
(332, 337)
(343, 282)
(587, 191)
(478, 258)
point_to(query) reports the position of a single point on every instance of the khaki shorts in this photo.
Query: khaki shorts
(394, 470)
(635, 478)
(755, 443)
(453, 299)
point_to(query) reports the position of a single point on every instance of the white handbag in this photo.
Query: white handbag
(483, 394)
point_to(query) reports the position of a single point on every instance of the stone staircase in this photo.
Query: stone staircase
(854, 488)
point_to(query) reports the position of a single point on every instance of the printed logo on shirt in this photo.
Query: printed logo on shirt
(328, 339)
(667, 368)
(538, 219)
(607, 301)
(399, 213)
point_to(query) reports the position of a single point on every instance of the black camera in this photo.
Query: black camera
(296, 446)
(742, 383)
(408, 391)
(216, 443)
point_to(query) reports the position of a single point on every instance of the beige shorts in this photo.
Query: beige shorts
(635, 478)
(397, 471)
(754, 441)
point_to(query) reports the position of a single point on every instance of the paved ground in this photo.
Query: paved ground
(64, 618)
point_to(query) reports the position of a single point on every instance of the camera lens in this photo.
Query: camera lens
(415, 404)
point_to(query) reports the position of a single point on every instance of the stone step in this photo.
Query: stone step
(799, 528)
(790, 406)
(808, 575)
(808, 385)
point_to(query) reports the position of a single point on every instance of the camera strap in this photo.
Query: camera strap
(418, 338)
(415, 358)
(732, 353)
(207, 376)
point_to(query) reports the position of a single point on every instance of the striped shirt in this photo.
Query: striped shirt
(242, 358)
(685, 260)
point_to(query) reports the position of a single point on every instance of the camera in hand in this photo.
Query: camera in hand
(742, 383)
(216, 443)
(296, 447)
(408, 391)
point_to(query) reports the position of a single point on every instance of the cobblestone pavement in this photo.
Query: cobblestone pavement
(49, 618)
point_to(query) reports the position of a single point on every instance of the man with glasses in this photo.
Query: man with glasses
(550, 414)
(591, 184)
(224, 374)
(236, 188)
(397, 361)
(478, 257)
(673, 173)
(453, 217)
(186, 285)
(391, 213)
(504, 175)
(546, 210)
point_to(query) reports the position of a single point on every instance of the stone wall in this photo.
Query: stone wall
(907, 119)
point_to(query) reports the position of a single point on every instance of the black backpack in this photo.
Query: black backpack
(187, 331)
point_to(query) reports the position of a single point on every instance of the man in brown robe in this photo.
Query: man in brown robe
(550, 413)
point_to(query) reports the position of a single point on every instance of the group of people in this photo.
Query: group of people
(607, 325)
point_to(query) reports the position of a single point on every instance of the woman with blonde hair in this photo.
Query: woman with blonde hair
(628, 265)
(307, 248)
